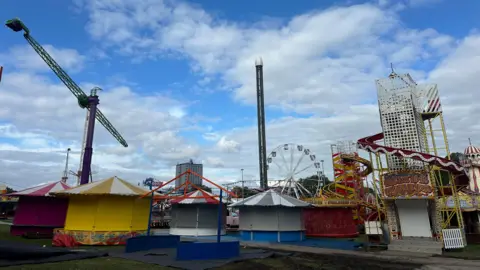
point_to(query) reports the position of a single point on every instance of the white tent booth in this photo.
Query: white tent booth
(196, 214)
(270, 216)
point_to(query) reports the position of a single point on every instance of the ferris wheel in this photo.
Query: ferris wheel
(296, 169)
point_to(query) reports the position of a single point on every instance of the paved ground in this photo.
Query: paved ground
(358, 258)
(304, 258)
(428, 262)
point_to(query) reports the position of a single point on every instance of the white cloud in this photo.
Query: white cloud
(43, 117)
(214, 162)
(25, 58)
(167, 145)
(320, 63)
(338, 66)
(177, 112)
(228, 146)
(211, 136)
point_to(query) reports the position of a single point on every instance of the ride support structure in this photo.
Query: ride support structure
(350, 181)
(186, 188)
(262, 141)
(85, 102)
(412, 164)
(446, 181)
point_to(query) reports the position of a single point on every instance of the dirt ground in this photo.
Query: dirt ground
(313, 261)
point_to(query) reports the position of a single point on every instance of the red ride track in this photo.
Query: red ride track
(369, 144)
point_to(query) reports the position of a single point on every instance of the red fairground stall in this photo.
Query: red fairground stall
(330, 221)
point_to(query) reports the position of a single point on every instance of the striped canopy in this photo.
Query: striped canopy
(109, 186)
(196, 197)
(270, 198)
(42, 190)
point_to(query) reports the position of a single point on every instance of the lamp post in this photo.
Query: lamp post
(323, 174)
(243, 186)
(65, 172)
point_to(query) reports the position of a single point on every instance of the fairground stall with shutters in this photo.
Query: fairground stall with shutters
(106, 212)
(272, 217)
(38, 212)
(196, 214)
(194, 211)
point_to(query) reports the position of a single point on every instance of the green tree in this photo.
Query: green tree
(10, 190)
(311, 183)
(456, 156)
(444, 175)
(207, 189)
(247, 192)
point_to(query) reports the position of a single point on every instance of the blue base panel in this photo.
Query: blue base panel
(272, 236)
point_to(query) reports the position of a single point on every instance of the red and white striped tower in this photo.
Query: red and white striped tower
(472, 166)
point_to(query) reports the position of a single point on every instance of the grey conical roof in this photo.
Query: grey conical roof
(271, 198)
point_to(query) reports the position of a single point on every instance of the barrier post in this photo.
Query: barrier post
(151, 208)
(220, 214)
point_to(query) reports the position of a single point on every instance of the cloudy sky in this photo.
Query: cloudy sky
(179, 79)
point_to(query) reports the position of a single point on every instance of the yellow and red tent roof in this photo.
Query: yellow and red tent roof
(109, 186)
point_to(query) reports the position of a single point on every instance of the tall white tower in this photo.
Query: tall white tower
(401, 119)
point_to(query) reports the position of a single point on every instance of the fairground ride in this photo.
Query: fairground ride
(186, 188)
(297, 169)
(350, 183)
(85, 102)
(416, 151)
(346, 202)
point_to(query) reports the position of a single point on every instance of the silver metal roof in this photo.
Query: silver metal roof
(271, 198)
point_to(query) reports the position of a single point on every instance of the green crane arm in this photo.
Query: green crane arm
(17, 25)
(104, 121)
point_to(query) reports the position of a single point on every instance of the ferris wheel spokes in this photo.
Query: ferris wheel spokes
(298, 163)
(283, 157)
(288, 158)
(304, 169)
(279, 167)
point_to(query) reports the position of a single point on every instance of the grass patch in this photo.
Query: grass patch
(105, 263)
(470, 252)
(5, 235)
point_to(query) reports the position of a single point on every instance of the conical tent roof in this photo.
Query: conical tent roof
(196, 197)
(109, 186)
(42, 190)
(470, 150)
(271, 198)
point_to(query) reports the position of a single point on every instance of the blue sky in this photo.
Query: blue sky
(319, 98)
(56, 22)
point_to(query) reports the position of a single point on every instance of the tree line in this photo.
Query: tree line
(310, 183)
